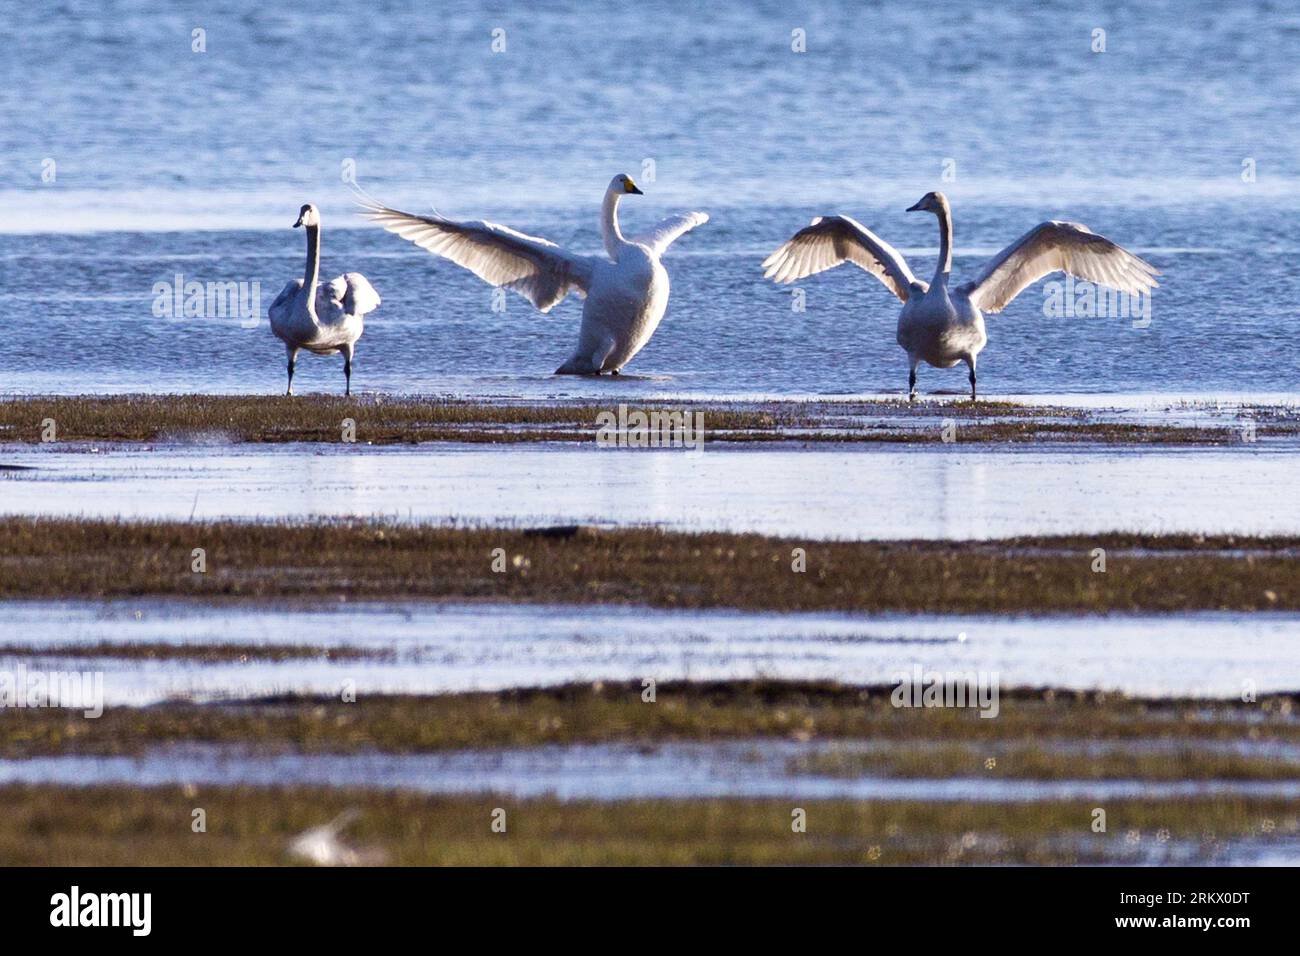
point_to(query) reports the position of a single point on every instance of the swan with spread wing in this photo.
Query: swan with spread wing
(943, 326)
(626, 294)
(321, 317)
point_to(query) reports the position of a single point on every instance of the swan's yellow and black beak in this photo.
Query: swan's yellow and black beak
(633, 188)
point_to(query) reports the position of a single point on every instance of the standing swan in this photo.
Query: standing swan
(626, 294)
(325, 318)
(945, 327)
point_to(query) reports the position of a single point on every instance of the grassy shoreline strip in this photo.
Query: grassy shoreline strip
(119, 826)
(608, 713)
(192, 653)
(382, 419)
(55, 557)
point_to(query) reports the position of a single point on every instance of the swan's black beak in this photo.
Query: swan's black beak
(634, 189)
(298, 223)
(916, 206)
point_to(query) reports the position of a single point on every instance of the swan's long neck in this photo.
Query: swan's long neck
(312, 275)
(609, 231)
(945, 247)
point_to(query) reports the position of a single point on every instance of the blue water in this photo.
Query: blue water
(168, 161)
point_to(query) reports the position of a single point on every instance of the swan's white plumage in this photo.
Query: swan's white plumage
(349, 294)
(663, 235)
(1056, 246)
(321, 317)
(324, 845)
(339, 303)
(941, 326)
(626, 294)
(832, 240)
(536, 268)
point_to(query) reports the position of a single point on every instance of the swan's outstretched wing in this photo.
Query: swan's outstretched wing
(351, 294)
(539, 270)
(1058, 247)
(667, 232)
(831, 240)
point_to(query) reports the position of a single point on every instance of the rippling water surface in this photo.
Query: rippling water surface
(873, 492)
(129, 159)
(421, 648)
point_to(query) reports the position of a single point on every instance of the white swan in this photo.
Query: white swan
(942, 326)
(323, 845)
(323, 319)
(626, 294)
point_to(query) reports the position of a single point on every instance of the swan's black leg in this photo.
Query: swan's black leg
(911, 385)
(292, 359)
(347, 376)
(970, 362)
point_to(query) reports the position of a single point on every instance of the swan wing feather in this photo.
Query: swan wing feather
(359, 296)
(665, 233)
(832, 240)
(537, 269)
(284, 301)
(1056, 246)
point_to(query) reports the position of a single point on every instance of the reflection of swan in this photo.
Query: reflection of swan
(945, 327)
(321, 318)
(626, 293)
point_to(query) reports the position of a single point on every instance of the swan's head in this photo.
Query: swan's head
(930, 202)
(622, 183)
(307, 216)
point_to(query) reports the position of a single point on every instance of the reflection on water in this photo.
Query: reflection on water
(877, 492)
(444, 648)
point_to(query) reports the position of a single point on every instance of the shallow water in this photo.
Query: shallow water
(593, 772)
(196, 163)
(876, 492)
(447, 648)
(728, 332)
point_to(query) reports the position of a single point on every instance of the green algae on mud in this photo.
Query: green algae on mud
(615, 712)
(47, 825)
(343, 559)
(319, 418)
(194, 653)
(251, 825)
(380, 419)
(1036, 761)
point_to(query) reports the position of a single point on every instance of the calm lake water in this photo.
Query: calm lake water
(130, 158)
(868, 492)
(421, 648)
